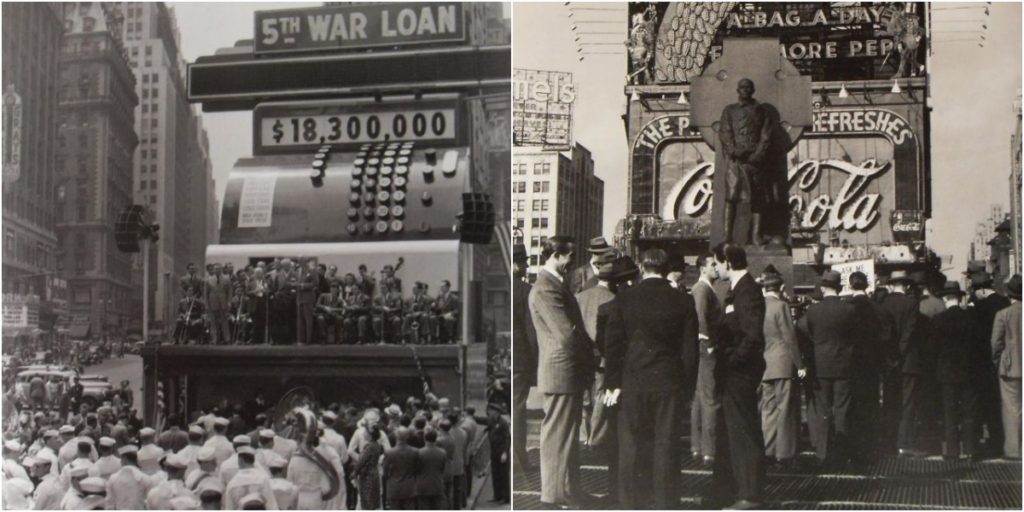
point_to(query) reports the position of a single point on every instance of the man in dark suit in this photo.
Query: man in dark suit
(446, 314)
(831, 327)
(952, 337)
(651, 353)
(307, 285)
(986, 304)
(585, 277)
(565, 369)
(430, 469)
(704, 412)
(900, 392)
(524, 355)
(1006, 344)
(739, 467)
(218, 302)
(193, 280)
(874, 331)
(780, 396)
(258, 291)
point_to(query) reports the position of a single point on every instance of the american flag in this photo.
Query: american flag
(503, 230)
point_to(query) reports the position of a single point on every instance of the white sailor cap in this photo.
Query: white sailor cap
(185, 502)
(241, 440)
(79, 468)
(128, 448)
(206, 453)
(107, 442)
(267, 433)
(329, 414)
(12, 445)
(147, 432)
(246, 449)
(67, 429)
(196, 429)
(51, 433)
(176, 461)
(275, 461)
(221, 422)
(251, 499)
(93, 485)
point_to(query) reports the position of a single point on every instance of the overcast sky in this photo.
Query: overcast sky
(206, 27)
(972, 88)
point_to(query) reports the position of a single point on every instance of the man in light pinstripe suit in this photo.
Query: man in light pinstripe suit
(566, 368)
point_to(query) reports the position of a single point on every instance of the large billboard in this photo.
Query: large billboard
(542, 108)
(853, 177)
(830, 41)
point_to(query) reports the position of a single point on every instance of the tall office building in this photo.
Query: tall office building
(172, 167)
(32, 285)
(1015, 189)
(96, 145)
(555, 193)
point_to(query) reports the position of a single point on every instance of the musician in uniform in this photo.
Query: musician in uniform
(445, 317)
(356, 319)
(417, 321)
(239, 316)
(329, 310)
(387, 309)
(189, 326)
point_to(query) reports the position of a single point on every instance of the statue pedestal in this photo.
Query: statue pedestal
(779, 256)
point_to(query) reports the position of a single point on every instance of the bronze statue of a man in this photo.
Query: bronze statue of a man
(745, 137)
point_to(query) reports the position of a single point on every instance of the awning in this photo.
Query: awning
(80, 329)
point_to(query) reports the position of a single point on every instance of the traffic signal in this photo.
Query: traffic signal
(476, 222)
(127, 228)
(131, 228)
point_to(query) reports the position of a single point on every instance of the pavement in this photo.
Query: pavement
(483, 492)
(116, 370)
(890, 484)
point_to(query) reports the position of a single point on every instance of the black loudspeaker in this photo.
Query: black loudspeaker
(477, 223)
(128, 228)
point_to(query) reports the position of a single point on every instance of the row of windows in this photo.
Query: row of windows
(538, 168)
(539, 205)
(538, 186)
(23, 250)
(536, 222)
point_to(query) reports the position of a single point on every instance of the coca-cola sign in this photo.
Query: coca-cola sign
(907, 225)
(850, 208)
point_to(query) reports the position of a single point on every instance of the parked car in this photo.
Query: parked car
(95, 391)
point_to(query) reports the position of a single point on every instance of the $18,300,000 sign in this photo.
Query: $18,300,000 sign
(416, 125)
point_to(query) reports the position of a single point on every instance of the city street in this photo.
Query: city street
(116, 370)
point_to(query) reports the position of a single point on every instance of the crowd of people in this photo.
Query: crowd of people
(305, 302)
(418, 455)
(621, 353)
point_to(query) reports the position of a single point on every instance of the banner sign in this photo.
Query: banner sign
(360, 26)
(542, 108)
(830, 41)
(20, 311)
(11, 135)
(845, 269)
(257, 202)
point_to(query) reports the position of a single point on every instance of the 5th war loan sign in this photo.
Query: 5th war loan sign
(363, 26)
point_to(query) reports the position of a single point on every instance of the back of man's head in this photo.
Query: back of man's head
(559, 245)
(654, 261)
(858, 281)
(430, 436)
(732, 254)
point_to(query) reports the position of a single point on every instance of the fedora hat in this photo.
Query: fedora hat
(519, 253)
(1013, 287)
(772, 282)
(598, 245)
(899, 276)
(624, 269)
(981, 279)
(974, 266)
(951, 288)
(606, 264)
(832, 279)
